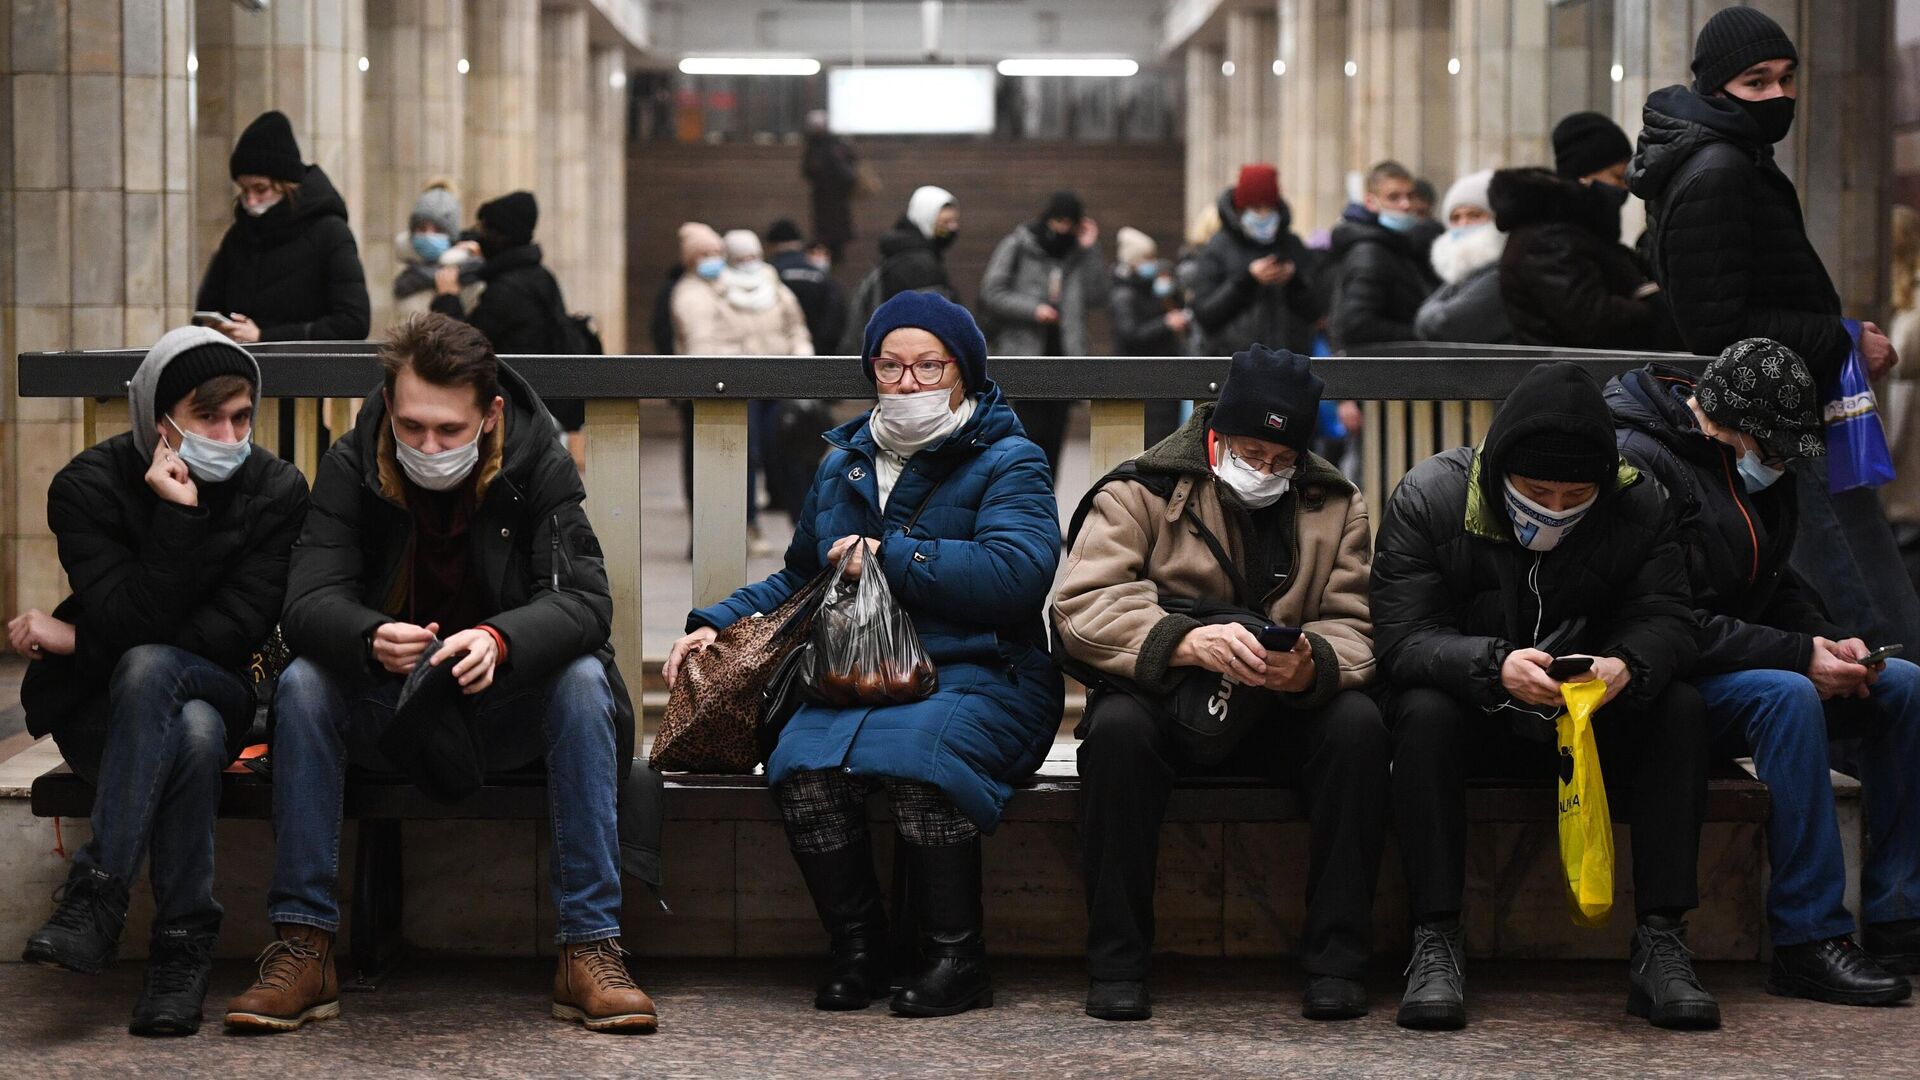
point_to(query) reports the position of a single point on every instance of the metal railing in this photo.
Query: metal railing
(1416, 399)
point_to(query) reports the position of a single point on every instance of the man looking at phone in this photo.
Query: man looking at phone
(1215, 602)
(1490, 563)
(1775, 672)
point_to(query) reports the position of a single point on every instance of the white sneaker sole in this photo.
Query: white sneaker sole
(327, 1010)
(618, 1022)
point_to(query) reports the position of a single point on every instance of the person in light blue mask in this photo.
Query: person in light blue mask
(1252, 280)
(432, 240)
(1151, 316)
(1778, 673)
(175, 536)
(1381, 275)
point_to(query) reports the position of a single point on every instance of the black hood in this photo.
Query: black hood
(314, 199)
(1653, 401)
(1230, 221)
(529, 428)
(1523, 197)
(513, 258)
(1560, 396)
(905, 236)
(1679, 124)
(1351, 232)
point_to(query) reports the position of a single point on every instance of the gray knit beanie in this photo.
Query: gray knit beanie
(438, 206)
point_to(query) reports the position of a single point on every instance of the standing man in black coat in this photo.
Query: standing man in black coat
(1730, 247)
(1252, 280)
(175, 536)
(1490, 564)
(448, 529)
(832, 172)
(1380, 275)
(821, 297)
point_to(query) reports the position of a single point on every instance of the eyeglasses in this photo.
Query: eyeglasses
(1270, 466)
(925, 372)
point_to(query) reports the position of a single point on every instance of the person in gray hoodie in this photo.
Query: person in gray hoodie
(176, 537)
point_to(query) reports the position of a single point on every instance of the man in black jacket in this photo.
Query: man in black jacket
(175, 536)
(1491, 563)
(1251, 282)
(448, 528)
(1773, 667)
(821, 297)
(1380, 275)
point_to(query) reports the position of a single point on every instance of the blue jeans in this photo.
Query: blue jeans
(1783, 722)
(154, 755)
(324, 720)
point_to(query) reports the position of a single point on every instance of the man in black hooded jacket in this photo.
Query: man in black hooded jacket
(1253, 281)
(1490, 564)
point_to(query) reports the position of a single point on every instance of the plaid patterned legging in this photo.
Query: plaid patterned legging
(826, 810)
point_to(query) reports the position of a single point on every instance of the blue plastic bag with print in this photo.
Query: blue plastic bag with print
(1857, 454)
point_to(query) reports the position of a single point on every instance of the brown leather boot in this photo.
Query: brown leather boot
(592, 985)
(296, 983)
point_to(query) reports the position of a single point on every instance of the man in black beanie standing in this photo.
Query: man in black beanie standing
(1491, 563)
(1215, 603)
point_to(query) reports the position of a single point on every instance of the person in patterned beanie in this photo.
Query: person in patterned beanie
(1775, 670)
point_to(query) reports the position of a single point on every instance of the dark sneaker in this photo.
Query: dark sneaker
(1436, 998)
(1896, 945)
(1837, 971)
(1661, 984)
(84, 933)
(1118, 999)
(176, 983)
(1330, 997)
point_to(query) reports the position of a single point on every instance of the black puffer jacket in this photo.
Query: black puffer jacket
(1140, 319)
(294, 270)
(1726, 236)
(1566, 277)
(1380, 281)
(1235, 311)
(1451, 595)
(349, 573)
(520, 309)
(909, 262)
(1754, 611)
(150, 572)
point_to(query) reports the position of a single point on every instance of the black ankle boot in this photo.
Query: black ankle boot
(178, 963)
(847, 896)
(946, 898)
(84, 933)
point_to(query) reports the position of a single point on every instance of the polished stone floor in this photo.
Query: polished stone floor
(752, 1019)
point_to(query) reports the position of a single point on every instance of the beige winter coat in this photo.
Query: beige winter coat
(706, 324)
(1136, 546)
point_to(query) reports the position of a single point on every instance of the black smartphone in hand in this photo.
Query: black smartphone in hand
(1279, 638)
(1881, 655)
(1566, 667)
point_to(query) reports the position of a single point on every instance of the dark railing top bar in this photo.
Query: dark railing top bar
(1402, 372)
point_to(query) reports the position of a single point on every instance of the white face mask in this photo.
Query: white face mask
(1756, 475)
(210, 460)
(1255, 488)
(256, 209)
(437, 472)
(1538, 528)
(909, 423)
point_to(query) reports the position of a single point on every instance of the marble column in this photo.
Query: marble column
(1253, 121)
(563, 183)
(1314, 92)
(414, 126)
(503, 136)
(303, 59)
(95, 167)
(1206, 107)
(1402, 99)
(1502, 114)
(607, 196)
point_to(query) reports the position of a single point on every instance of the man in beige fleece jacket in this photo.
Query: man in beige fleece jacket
(1180, 562)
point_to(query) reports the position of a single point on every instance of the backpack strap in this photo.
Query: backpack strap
(1162, 485)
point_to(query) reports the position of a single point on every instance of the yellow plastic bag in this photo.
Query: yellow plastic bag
(1586, 827)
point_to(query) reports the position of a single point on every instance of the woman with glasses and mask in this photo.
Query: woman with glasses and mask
(939, 489)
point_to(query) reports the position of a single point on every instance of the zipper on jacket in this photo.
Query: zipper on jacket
(1753, 535)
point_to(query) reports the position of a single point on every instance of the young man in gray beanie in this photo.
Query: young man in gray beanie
(1224, 572)
(175, 536)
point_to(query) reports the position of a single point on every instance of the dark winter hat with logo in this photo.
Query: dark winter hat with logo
(1734, 40)
(1270, 394)
(1763, 388)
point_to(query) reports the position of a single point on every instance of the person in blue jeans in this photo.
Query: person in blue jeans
(448, 528)
(175, 537)
(1777, 675)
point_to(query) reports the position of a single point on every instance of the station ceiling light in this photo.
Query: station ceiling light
(1069, 66)
(749, 65)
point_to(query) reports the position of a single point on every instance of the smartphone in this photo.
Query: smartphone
(1279, 638)
(1880, 655)
(1566, 667)
(209, 318)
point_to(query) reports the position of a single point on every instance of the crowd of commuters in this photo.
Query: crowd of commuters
(1223, 595)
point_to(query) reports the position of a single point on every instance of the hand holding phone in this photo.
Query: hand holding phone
(1566, 667)
(211, 318)
(1881, 655)
(1279, 639)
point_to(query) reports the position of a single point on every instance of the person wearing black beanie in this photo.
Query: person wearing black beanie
(1225, 570)
(1588, 147)
(510, 219)
(1491, 563)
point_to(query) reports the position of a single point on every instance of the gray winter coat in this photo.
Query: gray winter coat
(1469, 310)
(1017, 281)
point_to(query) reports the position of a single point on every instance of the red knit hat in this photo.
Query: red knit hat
(1259, 185)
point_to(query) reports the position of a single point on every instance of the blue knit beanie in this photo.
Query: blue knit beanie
(942, 318)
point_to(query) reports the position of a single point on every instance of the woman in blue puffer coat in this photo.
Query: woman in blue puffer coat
(973, 572)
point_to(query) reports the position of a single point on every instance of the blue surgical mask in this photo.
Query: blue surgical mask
(1756, 475)
(1262, 227)
(1149, 269)
(1461, 232)
(710, 267)
(1399, 220)
(1163, 287)
(431, 245)
(210, 460)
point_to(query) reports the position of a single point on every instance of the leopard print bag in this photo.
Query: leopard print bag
(712, 722)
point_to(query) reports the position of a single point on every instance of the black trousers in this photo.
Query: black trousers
(1338, 754)
(1653, 758)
